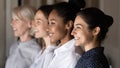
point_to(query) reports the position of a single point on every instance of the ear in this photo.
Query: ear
(69, 25)
(96, 31)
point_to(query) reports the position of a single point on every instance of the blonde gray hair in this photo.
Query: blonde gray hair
(24, 13)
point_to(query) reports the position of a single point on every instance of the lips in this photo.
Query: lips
(50, 34)
(14, 29)
(36, 32)
(76, 38)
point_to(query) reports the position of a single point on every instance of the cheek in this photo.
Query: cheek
(25, 26)
(87, 38)
(58, 33)
(53, 29)
(90, 37)
(61, 30)
(79, 33)
(42, 29)
(24, 29)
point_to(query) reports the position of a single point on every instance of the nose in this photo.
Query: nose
(12, 23)
(48, 28)
(73, 32)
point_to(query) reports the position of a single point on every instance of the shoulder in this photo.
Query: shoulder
(31, 45)
(29, 50)
(13, 48)
(97, 62)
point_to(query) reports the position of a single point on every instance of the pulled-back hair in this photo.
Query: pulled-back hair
(94, 17)
(46, 9)
(68, 11)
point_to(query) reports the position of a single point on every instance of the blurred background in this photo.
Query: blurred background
(110, 7)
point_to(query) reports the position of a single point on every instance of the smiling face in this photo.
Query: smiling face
(40, 25)
(20, 27)
(57, 28)
(83, 36)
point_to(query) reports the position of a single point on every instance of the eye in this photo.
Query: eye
(51, 22)
(38, 22)
(78, 27)
(16, 20)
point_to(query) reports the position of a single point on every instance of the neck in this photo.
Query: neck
(25, 37)
(92, 45)
(66, 39)
(47, 41)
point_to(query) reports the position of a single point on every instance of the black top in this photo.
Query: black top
(93, 58)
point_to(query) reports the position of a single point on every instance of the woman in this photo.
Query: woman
(23, 52)
(40, 26)
(60, 25)
(90, 28)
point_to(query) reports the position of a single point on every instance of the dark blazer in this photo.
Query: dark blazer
(93, 58)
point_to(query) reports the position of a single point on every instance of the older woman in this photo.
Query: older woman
(23, 52)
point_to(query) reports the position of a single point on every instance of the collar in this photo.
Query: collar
(29, 42)
(50, 48)
(94, 51)
(66, 47)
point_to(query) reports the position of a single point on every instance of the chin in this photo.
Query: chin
(16, 35)
(77, 44)
(51, 40)
(36, 36)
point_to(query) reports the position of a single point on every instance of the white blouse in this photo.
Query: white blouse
(43, 59)
(65, 56)
(22, 54)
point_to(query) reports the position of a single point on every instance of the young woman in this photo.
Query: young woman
(60, 25)
(90, 28)
(23, 52)
(40, 26)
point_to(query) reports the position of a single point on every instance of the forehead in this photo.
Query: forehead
(14, 16)
(19, 16)
(55, 16)
(80, 20)
(39, 13)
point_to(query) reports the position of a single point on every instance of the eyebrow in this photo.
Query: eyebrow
(52, 19)
(78, 24)
(37, 19)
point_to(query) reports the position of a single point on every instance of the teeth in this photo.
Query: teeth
(76, 38)
(50, 35)
(14, 29)
(35, 30)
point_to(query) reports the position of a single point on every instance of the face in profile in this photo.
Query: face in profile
(20, 27)
(57, 29)
(83, 36)
(40, 25)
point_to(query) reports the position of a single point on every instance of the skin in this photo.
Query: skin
(58, 31)
(21, 28)
(40, 26)
(83, 36)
